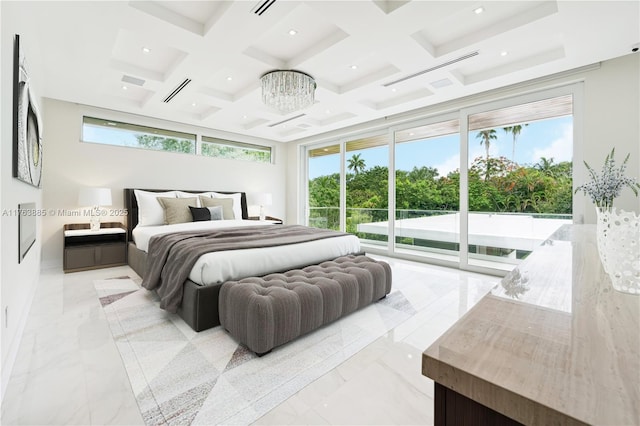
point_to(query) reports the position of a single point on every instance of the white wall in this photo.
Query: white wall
(17, 280)
(72, 164)
(612, 119)
(611, 111)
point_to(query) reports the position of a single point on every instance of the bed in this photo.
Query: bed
(200, 291)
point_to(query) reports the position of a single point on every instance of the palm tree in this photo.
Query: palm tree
(515, 131)
(545, 165)
(486, 136)
(356, 164)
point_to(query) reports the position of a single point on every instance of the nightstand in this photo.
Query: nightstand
(275, 220)
(86, 249)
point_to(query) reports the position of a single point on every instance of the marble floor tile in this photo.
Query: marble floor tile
(378, 396)
(69, 371)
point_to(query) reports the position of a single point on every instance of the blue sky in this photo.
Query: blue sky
(115, 136)
(551, 138)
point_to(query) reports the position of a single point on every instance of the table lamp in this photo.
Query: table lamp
(95, 198)
(263, 199)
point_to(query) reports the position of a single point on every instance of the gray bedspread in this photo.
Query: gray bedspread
(172, 256)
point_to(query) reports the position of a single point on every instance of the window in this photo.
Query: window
(324, 187)
(110, 132)
(478, 188)
(427, 181)
(520, 180)
(213, 147)
(366, 184)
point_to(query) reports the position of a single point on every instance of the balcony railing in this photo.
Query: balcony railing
(491, 234)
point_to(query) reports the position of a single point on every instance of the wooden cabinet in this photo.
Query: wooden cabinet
(86, 249)
(452, 408)
(566, 351)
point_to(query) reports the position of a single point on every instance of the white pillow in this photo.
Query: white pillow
(150, 211)
(182, 194)
(237, 202)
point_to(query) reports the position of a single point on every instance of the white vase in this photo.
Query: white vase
(619, 248)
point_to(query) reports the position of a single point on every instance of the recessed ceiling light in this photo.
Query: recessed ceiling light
(394, 90)
(124, 87)
(504, 53)
(229, 78)
(411, 134)
(328, 111)
(194, 104)
(478, 10)
(354, 67)
(244, 117)
(292, 32)
(326, 150)
(146, 50)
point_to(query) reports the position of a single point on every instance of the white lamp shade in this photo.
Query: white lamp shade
(94, 197)
(264, 199)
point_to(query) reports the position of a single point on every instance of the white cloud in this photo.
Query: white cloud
(452, 163)
(560, 149)
(448, 165)
(478, 150)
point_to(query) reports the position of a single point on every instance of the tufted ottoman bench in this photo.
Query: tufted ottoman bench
(265, 312)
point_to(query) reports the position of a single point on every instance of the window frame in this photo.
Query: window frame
(236, 145)
(131, 129)
(574, 89)
(149, 124)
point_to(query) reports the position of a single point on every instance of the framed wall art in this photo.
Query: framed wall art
(27, 131)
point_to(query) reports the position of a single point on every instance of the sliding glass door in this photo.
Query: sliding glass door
(323, 187)
(479, 188)
(367, 189)
(519, 179)
(427, 190)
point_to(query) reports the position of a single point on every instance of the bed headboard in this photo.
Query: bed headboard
(131, 204)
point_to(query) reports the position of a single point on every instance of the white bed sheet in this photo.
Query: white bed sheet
(218, 267)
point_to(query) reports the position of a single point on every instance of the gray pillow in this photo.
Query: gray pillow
(226, 203)
(216, 212)
(176, 210)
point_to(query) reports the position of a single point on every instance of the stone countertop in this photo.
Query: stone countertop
(553, 343)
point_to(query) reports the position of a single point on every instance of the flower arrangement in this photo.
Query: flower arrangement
(603, 188)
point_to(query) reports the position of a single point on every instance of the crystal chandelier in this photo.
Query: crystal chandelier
(287, 90)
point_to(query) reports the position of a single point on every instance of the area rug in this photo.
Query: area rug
(180, 377)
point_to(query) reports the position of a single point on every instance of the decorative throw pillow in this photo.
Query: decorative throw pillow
(176, 210)
(216, 212)
(237, 202)
(200, 213)
(206, 213)
(182, 194)
(150, 212)
(226, 203)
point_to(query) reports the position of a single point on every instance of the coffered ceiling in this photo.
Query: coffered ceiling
(370, 59)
